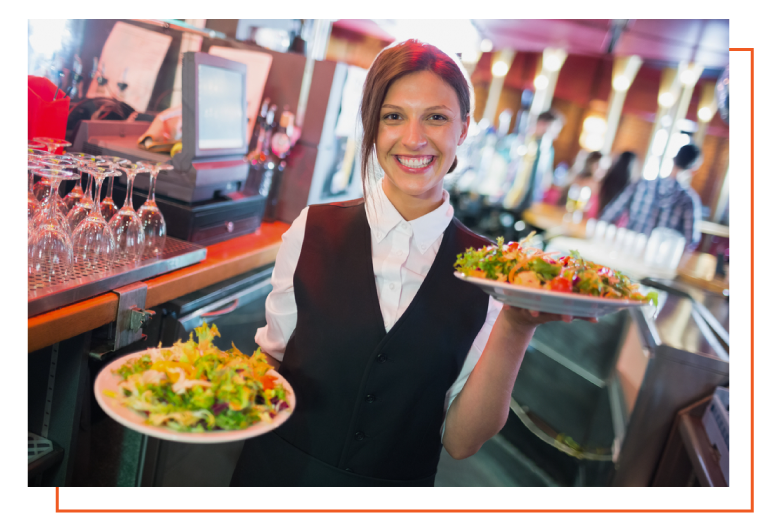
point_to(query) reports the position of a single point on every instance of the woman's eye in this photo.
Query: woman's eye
(438, 117)
(392, 116)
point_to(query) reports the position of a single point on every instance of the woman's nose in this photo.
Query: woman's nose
(414, 136)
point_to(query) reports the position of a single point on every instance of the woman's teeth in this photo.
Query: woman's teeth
(415, 162)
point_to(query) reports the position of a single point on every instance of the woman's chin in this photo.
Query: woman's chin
(419, 186)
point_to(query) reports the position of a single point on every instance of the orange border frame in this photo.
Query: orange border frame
(752, 399)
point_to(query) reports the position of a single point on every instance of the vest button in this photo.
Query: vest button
(359, 436)
(381, 358)
(370, 398)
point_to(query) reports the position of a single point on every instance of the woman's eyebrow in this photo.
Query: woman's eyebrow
(436, 107)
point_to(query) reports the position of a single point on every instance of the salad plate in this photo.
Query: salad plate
(529, 278)
(107, 385)
(574, 304)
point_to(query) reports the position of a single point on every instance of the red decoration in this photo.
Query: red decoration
(46, 116)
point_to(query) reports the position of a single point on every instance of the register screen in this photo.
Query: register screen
(220, 112)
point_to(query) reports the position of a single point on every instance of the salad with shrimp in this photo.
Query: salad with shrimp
(196, 387)
(527, 266)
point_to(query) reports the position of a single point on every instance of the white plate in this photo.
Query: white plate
(106, 380)
(577, 305)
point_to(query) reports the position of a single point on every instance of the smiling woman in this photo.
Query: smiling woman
(415, 112)
(379, 340)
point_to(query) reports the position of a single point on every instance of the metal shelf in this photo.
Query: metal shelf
(46, 294)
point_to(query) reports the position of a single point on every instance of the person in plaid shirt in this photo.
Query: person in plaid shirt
(663, 201)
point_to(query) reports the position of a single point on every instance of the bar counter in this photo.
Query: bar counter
(223, 261)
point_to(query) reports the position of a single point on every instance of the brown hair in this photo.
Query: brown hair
(591, 159)
(391, 64)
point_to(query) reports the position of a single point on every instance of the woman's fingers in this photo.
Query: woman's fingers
(534, 317)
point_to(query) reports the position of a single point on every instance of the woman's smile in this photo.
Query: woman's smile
(415, 163)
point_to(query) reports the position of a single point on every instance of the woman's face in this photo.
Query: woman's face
(419, 130)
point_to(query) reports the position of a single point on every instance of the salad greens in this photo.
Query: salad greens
(530, 267)
(196, 387)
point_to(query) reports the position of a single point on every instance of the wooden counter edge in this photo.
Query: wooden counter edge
(223, 260)
(66, 322)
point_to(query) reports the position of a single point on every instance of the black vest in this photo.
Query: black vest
(371, 403)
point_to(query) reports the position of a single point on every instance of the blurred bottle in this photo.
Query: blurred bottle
(276, 146)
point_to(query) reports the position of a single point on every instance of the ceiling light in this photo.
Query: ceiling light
(666, 99)
(541, 82)
(552, 59)
(705, 114)
(688, 77)
(595, 124)
(621, 83)
(486, 45)
(500, 69)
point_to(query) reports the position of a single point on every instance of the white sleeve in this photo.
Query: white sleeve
(477, 347)
(281, 313)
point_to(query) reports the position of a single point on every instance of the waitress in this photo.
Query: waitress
(389, 354)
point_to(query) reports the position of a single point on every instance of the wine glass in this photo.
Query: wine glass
(35, 145)
(125, 224)
(64, 162)
(107, 206)
(37, 155)
(49, 250)
(52, 144)
(94, 245)
(151, 218)
(77, 192)
(60, 162)
(40, 188)
(32, 203)
(82, 208)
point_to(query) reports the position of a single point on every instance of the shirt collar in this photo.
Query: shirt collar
(383, 217)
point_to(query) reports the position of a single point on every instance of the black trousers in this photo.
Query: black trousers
(269, 460)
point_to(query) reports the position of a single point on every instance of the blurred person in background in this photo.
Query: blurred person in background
(615, 180)
(663, 202)
(537, 172)
(588, 177)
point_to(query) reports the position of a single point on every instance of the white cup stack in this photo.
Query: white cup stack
(601, 228)
(627, 244)
(638, 247)
(665, 247)
(609, 235)
(590, 228)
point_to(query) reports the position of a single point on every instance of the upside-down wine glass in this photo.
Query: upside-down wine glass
(50, 250)
(125, 224)
(62, 162)
(82, 208)
(51, 145)
(37, 155)
(107, 206)
(151, 218)
(94, 245)
(53, 162)
(77, 192)
(40, 188)
(32, 203)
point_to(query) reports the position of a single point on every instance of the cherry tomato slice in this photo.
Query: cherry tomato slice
(561, 285)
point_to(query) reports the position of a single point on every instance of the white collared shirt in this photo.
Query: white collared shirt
(402, 254)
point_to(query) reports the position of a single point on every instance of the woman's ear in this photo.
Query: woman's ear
(465, 129)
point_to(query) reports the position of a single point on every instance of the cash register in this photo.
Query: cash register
(203, 198)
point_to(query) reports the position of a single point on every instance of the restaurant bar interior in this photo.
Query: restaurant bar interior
(168, 158)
